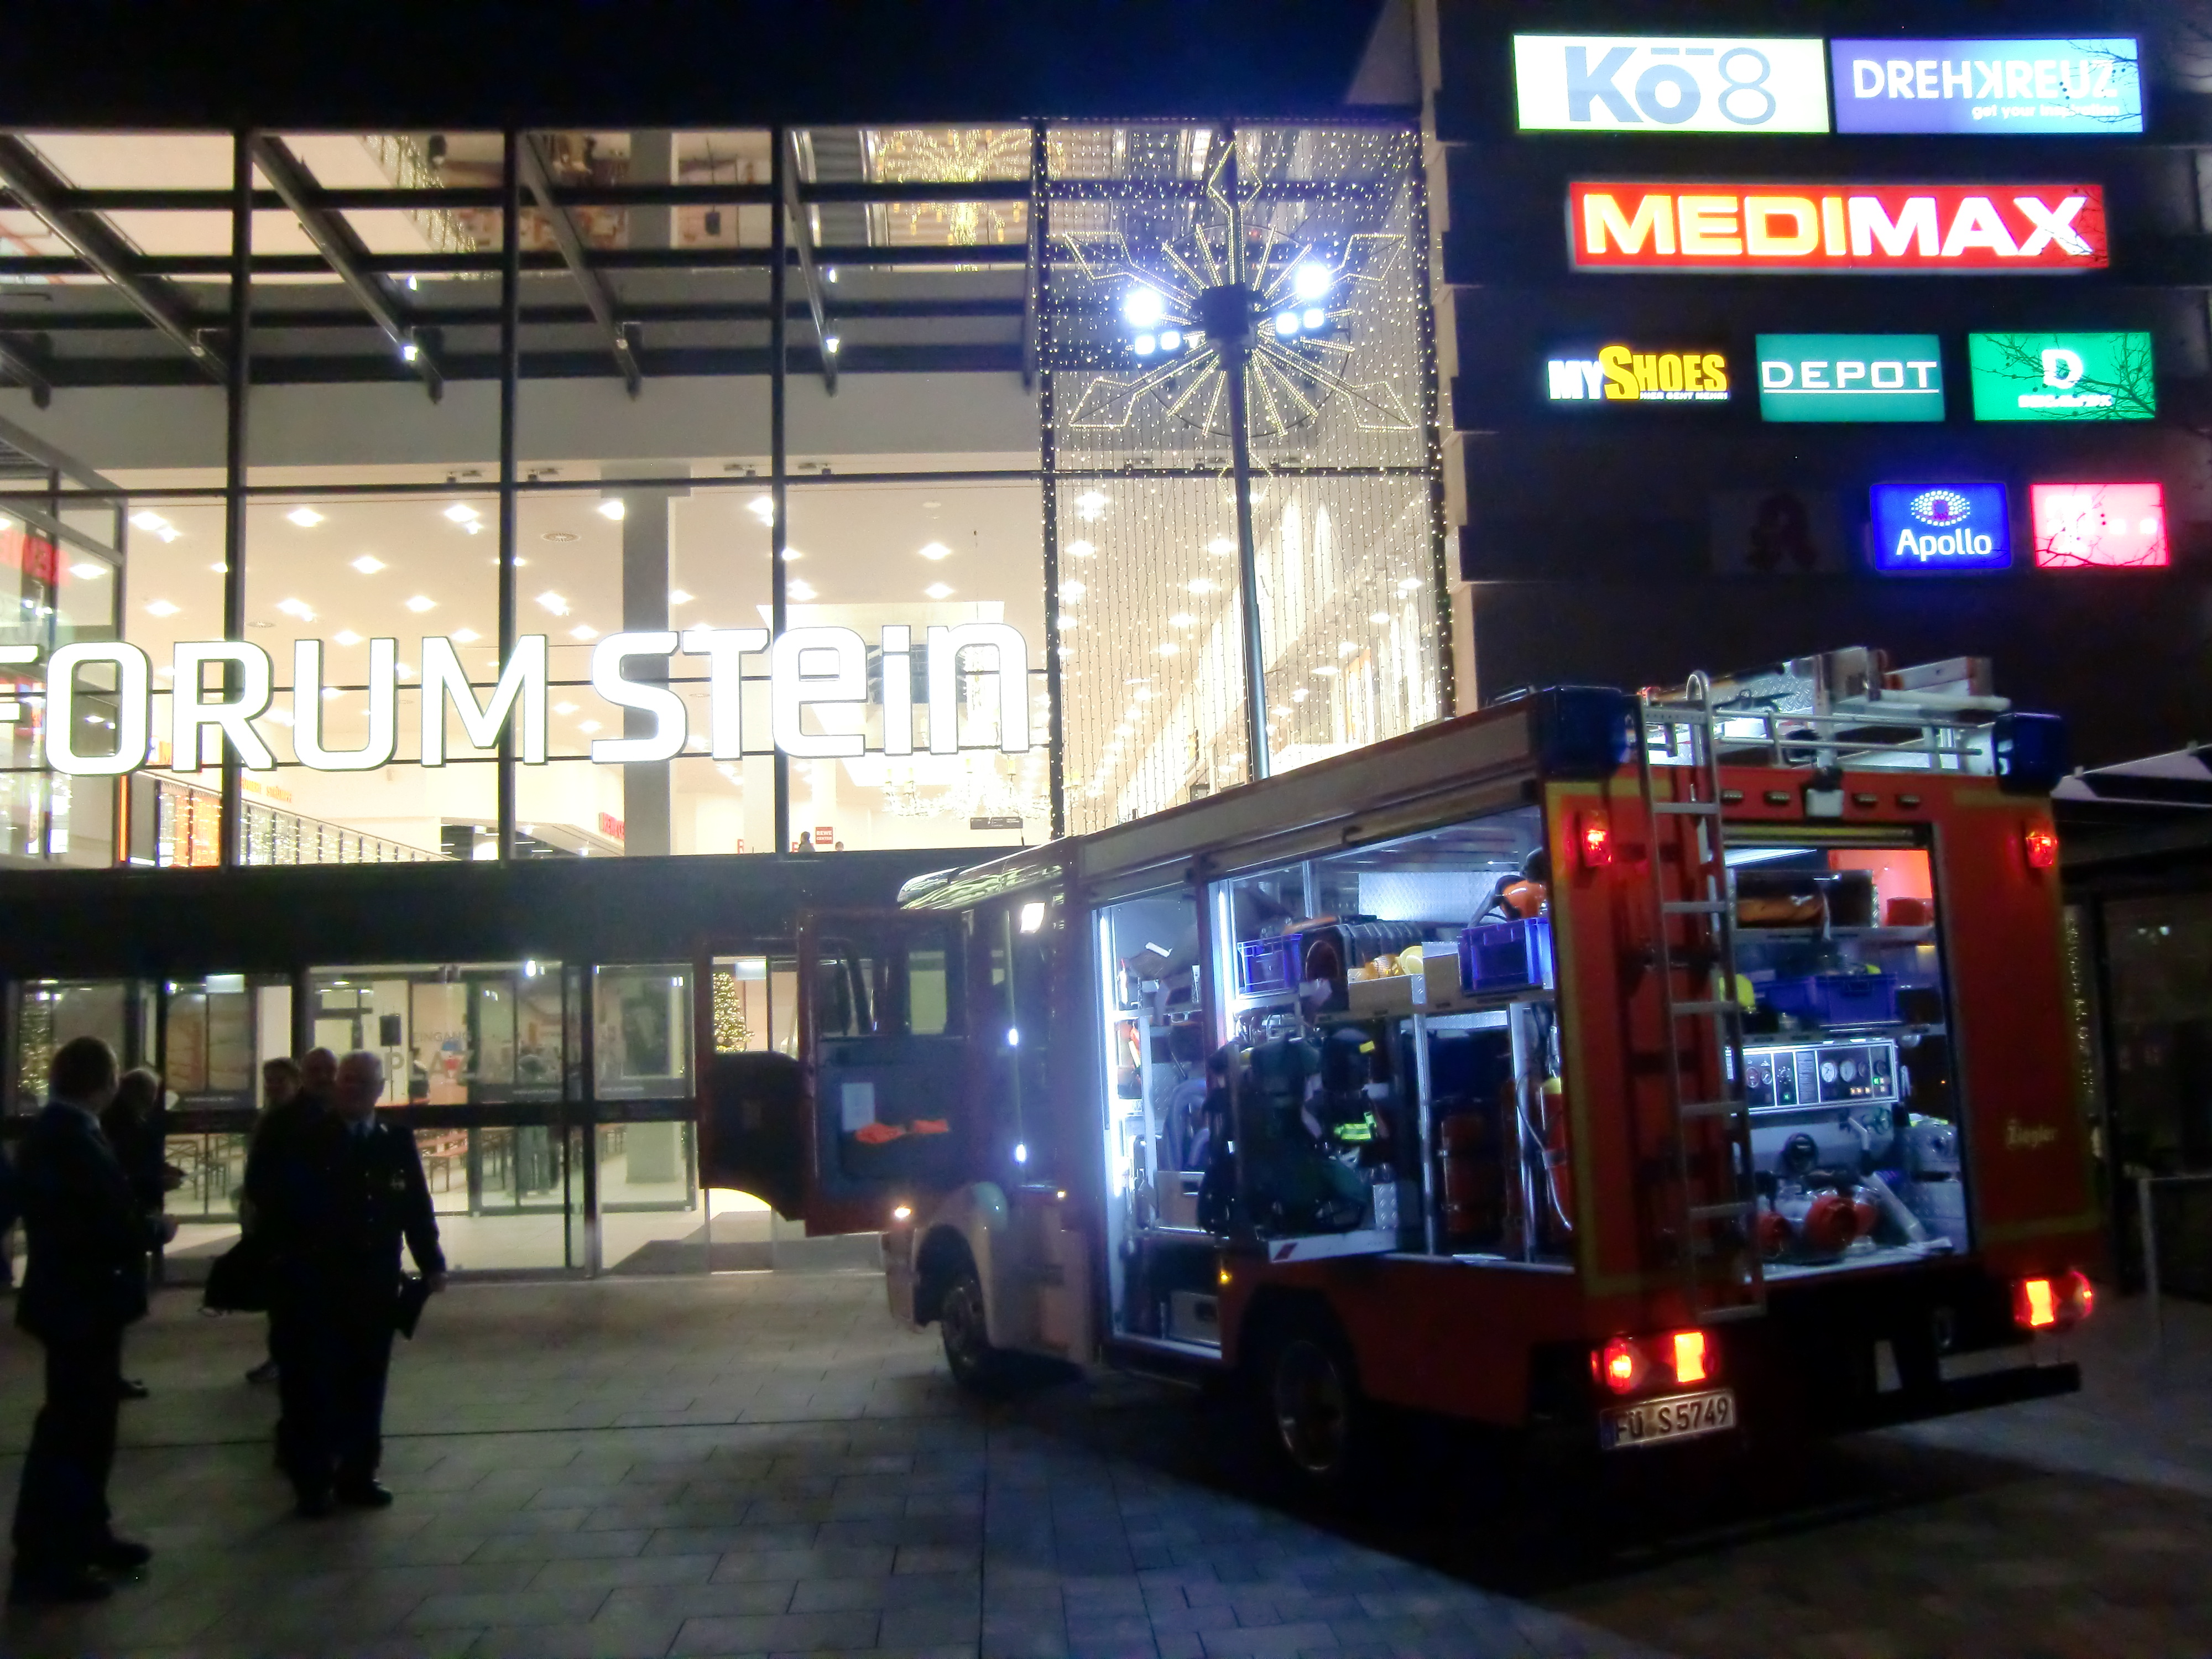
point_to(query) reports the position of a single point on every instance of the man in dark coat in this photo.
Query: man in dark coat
(299, 1092)
(339, 1284)
(88, 1237)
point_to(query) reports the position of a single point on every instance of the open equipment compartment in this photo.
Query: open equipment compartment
(1391, 1047)
(1857, 1119)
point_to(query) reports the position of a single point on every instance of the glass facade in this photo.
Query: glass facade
(320, 399)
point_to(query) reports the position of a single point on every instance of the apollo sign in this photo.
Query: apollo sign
(822, 669)
(2028, 229)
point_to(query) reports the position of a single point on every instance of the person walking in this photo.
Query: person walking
(283, 1084)
(341, 1283)
(88, 1237)
(132, 1123)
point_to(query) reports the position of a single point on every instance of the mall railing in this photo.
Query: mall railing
(188, 829)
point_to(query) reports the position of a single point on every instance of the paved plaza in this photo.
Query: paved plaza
(763, 1464)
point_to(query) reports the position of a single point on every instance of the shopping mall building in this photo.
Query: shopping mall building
(480, 580)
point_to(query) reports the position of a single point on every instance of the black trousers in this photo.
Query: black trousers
(61, 1509)
(333, 1354)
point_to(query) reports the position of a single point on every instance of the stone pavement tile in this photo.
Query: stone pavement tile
(643, 1637)
(698, 1540)
(627, 1570)
(789, 1632)
(1269, 1641)
(793, 1564)
(520, 1606)
(753, 1597)
(561, 1545)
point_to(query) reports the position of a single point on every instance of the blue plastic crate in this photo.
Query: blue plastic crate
(1268, 967)
(1835, 999)
(1505, 956)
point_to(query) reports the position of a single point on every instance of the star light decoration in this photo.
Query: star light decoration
(1306, 297)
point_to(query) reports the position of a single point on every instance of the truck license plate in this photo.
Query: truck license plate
(1682, 1417)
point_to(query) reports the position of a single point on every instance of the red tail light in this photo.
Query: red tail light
(2044, 1304)
(2041, 842)
(1596, 837)
(1620, 1365)
(1690, 1356)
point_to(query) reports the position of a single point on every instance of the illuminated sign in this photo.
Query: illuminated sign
(823, 669)
(1935, 528)
(2062, 377)
(1851, 377)
(2022, 229)
(1988, 86)
(1631, 374)
(1651, 84)
(2104, 526)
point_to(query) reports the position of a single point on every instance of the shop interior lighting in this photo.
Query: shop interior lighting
(588, 725)
(564, 707)
(1073, 589)
(1286, 324)
(306, 517)
(1221, 547)
(346, 636)
(1081, 551)
(1204, 585)
(461, 512)
(1090, 506)
(829, 345)
(1378, 617)
(147, 519)
(1315, 318)
(936, 551)
(803, 592)
(220, 568)
(1143, 308)
(1182, 619)
(583, 631)
(369, 564)
(408, 352)
(613, 508)
(404, 669)
(421, 603)
(677, 596)
(466, 636)
(553, 602)
(1311, 281)
(1143, 345)
(89, 571)
(299, 608)
(763, 508)
(938, 590)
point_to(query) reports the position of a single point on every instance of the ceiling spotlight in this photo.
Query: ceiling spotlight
(554, 603)
(1143, 345)
(146, 519)
(1314, 317)
(161, 608)
(677, 596)
(1182, 619)
(938, 590)
(299, 608)
(1072, 589)
(1205, 584)
(1170, 649)
(564, 707)
(1287, 323)
(369, 564)
(1081, 551)
(800, 591)
(613, 508)
(404, 669)
(466, 636)
(763, 508)
(556, 536)
(460, 512)
(332, 694)
(346, 636)
(408, 352)
(1409, 584)
(829, 345)
(1171, 340)
(588, 725)
(306, 517)
(418, 604)
(1143, 307)
(1378, 616)
(220, 568)
(583, 631)
(936, 551)
(89, 571)
(1221, 547)
(1311, 281)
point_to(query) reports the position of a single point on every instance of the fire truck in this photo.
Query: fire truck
(1637, 1068)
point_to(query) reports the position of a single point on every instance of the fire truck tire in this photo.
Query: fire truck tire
(975, 1363)
(1320, 1423)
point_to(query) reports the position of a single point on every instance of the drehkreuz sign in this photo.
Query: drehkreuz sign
(1828, 227)
(1648, 83)
(823, 669)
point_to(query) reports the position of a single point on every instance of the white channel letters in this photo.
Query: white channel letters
(1571, 82)
(221, 687)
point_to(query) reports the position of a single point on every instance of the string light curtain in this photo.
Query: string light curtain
(1339, 386)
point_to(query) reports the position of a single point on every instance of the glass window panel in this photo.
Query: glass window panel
(643, 1031)
(463, 1034)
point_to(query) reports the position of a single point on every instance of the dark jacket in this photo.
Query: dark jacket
(279, 1183)
(87, 1234)
(369, 1194)
(138, 1148)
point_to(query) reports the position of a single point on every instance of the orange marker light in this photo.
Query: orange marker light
(1596, 835)
(2033, 1306)
(1690, 1356)
(2041, 844)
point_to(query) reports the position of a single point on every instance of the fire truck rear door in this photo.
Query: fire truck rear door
(883, 1026)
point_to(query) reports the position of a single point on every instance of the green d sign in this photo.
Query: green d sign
(1851, 377)
(2062, 377)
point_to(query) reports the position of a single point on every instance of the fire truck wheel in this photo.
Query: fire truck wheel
(1310, 1393)
(960, 1321)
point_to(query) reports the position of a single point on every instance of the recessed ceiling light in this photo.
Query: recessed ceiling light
(474, 527)
(800, 591)
(588, 725)
(554, 602)
(938, 590)
(1169, 649)
(220, 568)
(306, 517)
(346, 636)
(1205, 584)
(1080, 550)
(89, 571)
(763, 508)
(1409, 584)
(583, 631)
(558, 536)
(299, 608)
(564, 707)
(405, 671)
(1090, 505)
(936, 551)
(613, 508)
(1072, 589)
(1182, 619)
(694, 741)
(461, 512)
(1346, 648)
(1221, 547)
(677, 596)
(369, 564)
(466, 636)
(1379, 616)
(161, 608)
(332, 694)
(1327, 671)
(146, 519)
(419, 603)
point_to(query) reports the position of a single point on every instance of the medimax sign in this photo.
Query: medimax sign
(824, 670)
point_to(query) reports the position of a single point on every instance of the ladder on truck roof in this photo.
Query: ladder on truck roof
(1716, 1200)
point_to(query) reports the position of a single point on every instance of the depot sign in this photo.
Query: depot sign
(1851, 377)
(1622, 373)
(1648, 83)
(823, 669)
(2022, 229)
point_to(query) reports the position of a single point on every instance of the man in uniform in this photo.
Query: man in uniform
(88, 1237)
(340, 1286)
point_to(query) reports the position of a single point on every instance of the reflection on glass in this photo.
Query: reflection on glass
(476, 1035)
(642, 1019)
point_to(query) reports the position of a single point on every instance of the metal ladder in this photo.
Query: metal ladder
(1688, 823)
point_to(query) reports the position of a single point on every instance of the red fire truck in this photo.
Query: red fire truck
(1634, 1067)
